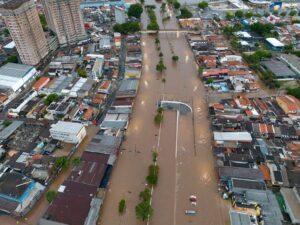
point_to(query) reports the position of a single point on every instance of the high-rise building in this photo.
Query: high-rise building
(22, 20)
(65, 19)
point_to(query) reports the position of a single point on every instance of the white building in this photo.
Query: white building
(229, 58)
(68, 132)
(15, 76)
(120, 15)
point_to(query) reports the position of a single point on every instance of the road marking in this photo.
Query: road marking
(176, 142)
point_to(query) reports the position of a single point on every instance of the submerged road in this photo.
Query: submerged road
(185, 157)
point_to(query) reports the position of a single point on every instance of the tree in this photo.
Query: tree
(81, 72)
(142, 2)
(76, 161)
(51, 195)
(262, 29)
(152, 177)
(239, 14)
(176, 5)
(127, 28)
(210, 81)
(6, 32)
(143, 210)
(288, 48)
(160, 67)
(122, 206)
(145, 195)
(293, 13)
(161, 54)
(135, 10)
(163, 7)
(12, 59)
(153, 26)
(158, 118)
(294, 91)
(248, 14)
(154, 156)
(203, 5)
(51, 98)
(175, 58)
(275, 12)
(185, 13)
(229, 15)
(61, 162)
(157, 41)
(283, 14)
(266, 14)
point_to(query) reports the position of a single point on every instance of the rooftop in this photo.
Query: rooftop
(15, 70)
(13, 185)
(274, 42)
(13, 4)
(62, 126)
(72, 205)
(278, 68)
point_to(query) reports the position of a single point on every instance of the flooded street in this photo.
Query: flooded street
(41, 206)
(185, 158)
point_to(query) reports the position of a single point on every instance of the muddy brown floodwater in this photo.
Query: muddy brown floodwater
(185, 157)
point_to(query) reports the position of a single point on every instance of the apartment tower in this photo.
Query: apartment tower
(22, 20)
(65, 19)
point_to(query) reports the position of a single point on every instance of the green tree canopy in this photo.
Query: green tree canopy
(81, 72)
(249, 14)
(185, 13)
(11, 59)
(127, 28)
(51, 195)
(176, 5)
(229, 15)
(203, 5)
(135, 10)
(262, 29)
(293, 13)
(294, 91)
(51, 98)
(239, 14)
(122, 206)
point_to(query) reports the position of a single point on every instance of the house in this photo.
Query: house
(291, 198)
(274, 44)
(289, 104)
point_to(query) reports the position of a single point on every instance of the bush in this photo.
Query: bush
(122, 206)
(51, 195)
